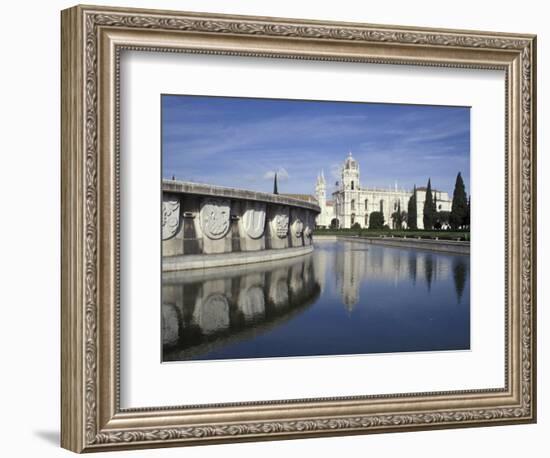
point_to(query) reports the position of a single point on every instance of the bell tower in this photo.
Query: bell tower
(350, 174)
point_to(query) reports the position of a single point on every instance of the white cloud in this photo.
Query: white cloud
(282, 174)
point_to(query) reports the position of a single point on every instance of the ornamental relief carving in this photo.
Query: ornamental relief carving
(298, 227)
(214, 218)
(280, 223)
(254, 219)
(170, 216)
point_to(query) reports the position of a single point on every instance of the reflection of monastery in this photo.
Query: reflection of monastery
(357, 263)
(352, 203)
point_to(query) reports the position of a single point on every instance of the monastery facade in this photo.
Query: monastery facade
(352, 203)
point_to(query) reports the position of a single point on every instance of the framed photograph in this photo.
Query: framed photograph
(278, 228)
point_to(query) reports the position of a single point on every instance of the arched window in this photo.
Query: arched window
(352, 219)
(366, 219)
(352, 184)
(381, 205)
(366, 204)
(352, 204)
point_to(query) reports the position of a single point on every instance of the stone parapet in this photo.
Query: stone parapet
(204, 220)
(201, 189)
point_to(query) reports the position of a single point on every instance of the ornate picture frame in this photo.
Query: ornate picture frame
(92, 40)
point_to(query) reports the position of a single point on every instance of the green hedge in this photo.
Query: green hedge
(432, 234)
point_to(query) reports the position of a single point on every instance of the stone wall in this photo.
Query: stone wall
(200, 219)
(448, 246)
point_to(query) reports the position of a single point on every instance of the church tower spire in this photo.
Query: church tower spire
(275, 187)
(350, 174)
(320, 190)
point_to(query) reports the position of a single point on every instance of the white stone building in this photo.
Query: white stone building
(352, 203)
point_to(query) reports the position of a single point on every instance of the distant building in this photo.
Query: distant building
(352, 203)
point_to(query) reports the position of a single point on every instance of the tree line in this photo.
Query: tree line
(457, 218)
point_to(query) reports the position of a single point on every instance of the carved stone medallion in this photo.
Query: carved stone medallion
(298, 227)
(214, 217)
(280, 224)
(170, 217)
(254, 219)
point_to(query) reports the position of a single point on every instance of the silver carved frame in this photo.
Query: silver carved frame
(92, 39)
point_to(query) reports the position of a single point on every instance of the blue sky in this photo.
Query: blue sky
(241, 142)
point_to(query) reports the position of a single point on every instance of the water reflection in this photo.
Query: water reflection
(205, 310)
(459, 275)
(344, 298)
(357, 262)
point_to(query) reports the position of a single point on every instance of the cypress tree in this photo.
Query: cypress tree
(467, 219)
(428, 218)
(398, 216)
(399, 220)
(459, 209)
(411, 211)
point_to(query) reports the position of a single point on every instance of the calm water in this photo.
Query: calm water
(344, 298)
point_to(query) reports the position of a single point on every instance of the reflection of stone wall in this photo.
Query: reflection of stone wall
(321, 260)
(277, 291)
(211, 311)
(201, 310)
(170, 324)
(251, 300)
(202, 219)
